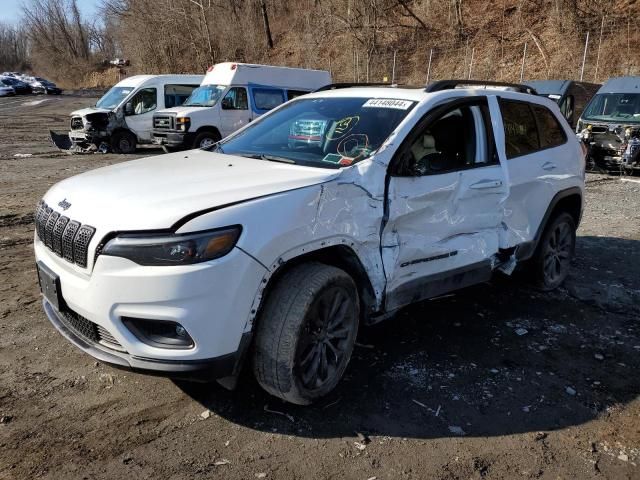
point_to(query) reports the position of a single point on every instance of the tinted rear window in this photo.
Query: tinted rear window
(520, 131)
(550, 131)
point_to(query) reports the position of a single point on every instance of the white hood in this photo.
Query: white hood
(183, 111)
(156, 192)
(86, 111)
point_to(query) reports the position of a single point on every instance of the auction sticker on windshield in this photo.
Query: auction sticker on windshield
(387, 103)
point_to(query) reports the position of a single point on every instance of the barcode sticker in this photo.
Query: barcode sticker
(387, 103)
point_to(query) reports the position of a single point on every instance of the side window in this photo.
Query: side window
(566, 107)
(291, 94)
(550, 131)
(455, 141)
(266, 99)
(175, 95)
(235, 99)
(144, 101)
(520, 131)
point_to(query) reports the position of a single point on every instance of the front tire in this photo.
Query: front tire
(123, 142)
(206, 139)
(306, 333)
(551, 262)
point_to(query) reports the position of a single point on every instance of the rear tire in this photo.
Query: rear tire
(306, 333)
(206, 139)
(551, 262)
(123, 142)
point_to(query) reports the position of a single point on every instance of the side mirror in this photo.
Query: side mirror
(227, 103)
(128, 108)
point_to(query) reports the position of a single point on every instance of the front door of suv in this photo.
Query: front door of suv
(444, 206)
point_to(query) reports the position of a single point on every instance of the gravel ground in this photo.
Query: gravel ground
(497, 381)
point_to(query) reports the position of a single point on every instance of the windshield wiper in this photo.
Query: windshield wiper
(270, 158)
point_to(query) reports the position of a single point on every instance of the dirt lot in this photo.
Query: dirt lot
(498, 381)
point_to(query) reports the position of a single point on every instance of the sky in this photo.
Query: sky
(11, 10)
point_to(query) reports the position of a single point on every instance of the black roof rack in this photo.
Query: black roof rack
(335, 86)
(449, 84)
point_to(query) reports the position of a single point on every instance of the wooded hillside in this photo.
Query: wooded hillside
(355, 39)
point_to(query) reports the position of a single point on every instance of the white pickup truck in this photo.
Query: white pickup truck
(331, 212)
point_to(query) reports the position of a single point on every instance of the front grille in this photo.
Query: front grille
(66, 238)
(76, 123)
(164, 122)
(88, 330)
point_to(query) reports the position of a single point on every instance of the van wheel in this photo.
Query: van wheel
(123, 142)
(306, 332)
(550, 265)
(206, 139)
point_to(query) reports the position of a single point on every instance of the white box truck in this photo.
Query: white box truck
(231, 95)
(123, 117)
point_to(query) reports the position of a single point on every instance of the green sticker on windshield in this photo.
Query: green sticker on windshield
(332, 158)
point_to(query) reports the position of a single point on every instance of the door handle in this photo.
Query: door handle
(486, 184)
(549, 166)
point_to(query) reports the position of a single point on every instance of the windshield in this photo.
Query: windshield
(321, 132)
(614, 107)
(205, 96)
(114, 97)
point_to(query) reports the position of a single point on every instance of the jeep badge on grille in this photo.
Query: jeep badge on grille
(64, 204)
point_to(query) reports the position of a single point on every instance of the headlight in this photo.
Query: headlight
(183, 123)
(176, 249)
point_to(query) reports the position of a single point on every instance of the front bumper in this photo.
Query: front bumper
(212, 301)
(171, 139)
(196, 370)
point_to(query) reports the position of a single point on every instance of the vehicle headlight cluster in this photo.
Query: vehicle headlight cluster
(173, 249)
(183, 123)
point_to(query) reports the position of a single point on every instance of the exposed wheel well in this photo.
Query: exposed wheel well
(572, 204)
(208, 128)
(124, 130)
(339, 256)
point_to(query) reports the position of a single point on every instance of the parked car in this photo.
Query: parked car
(20, 87)
(120, 62)
(6, 91)
(123, 117)
(570, 95)
(610, 126)
(41, 85)
(275, 252)
(231, 95)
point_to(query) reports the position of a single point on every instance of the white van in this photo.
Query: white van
(123, 117)
(231, 95)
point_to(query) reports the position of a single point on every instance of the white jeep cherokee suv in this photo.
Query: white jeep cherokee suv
(334, 210)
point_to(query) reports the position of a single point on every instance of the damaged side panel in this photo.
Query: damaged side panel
(340, 212)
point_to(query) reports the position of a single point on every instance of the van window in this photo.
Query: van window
(235, 99)
(144, 101)
(291, 94)
(550, 131)
(175, 95)
(614, 107)
(520, 132)
(266, 99)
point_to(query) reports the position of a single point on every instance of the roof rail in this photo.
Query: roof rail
(449, 84)
(335, 86)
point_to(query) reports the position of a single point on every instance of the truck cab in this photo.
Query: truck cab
(230, 96)
(610, 126)
(122, 118)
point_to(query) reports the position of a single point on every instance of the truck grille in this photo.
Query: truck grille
(88, 330)
(76, 123)
(163, 122)
(66, 238)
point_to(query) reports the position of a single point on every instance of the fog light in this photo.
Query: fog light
(159, 333)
